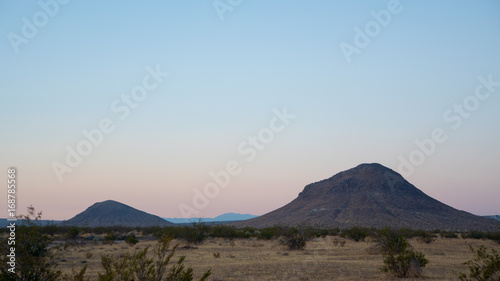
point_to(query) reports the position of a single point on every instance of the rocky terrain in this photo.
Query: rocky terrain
(370, 195)
(112, 213)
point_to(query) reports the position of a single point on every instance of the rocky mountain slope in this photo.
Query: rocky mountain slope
(370, 195)
(112, 213)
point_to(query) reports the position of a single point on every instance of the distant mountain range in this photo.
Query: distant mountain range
(228, 217)
(222, 218)
(369, 195)
(497, 217)
(111, 213)
(4, 222)
(231, 217)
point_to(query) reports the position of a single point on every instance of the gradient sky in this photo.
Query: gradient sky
(226, 76)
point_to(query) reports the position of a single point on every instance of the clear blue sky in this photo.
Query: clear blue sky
(228, 71)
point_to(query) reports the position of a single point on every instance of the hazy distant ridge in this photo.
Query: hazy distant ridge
(221, 218)
(497, 217)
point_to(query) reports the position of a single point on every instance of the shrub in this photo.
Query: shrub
(355, 233)
(50, 229)
(268, 233)
(333, 231)
(72, 232)
(495, 236)
(335, 242)
(197, 233)
(34, 259)
(131, 240)
(399, 258)
(474, 235)
(338, 242)
(110, 238)
(115, 269)
(484, 266)
(77, 276)
(223, 231)
(310, 231)
(426, 237)
(152, 230)
(249, 230)
(405, 264)
(449, 234)
(144, 268)
(392, 242)
(294, 239)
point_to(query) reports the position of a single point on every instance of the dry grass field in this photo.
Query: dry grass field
(252, 259)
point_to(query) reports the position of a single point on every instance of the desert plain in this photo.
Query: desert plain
(252, 259)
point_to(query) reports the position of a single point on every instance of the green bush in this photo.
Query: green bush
(294, 239)
(50, 229)
(392, 241)
(110, 238)
(405, 264)
(426, 237)
(399, 258)
(314, 232)
(495, 236)
(34, 259)
(72, 232)
(228, 232)
(131, 239)
(197, 233)
(338, 242)
(268, 233)
(449, 234)
(333, 231)
(250, 230)
(77, 276)
(474, 235)
(484, 266)
(139, 266)
(152, 230)
(355, 233)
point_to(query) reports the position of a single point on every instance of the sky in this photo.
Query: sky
(199, 108)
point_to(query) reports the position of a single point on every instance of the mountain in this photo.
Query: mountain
(233, 217)
(112, 213)
(497, 217)
(222, 218)
(370, 195)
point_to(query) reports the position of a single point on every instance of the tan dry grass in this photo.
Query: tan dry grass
(267, 260)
